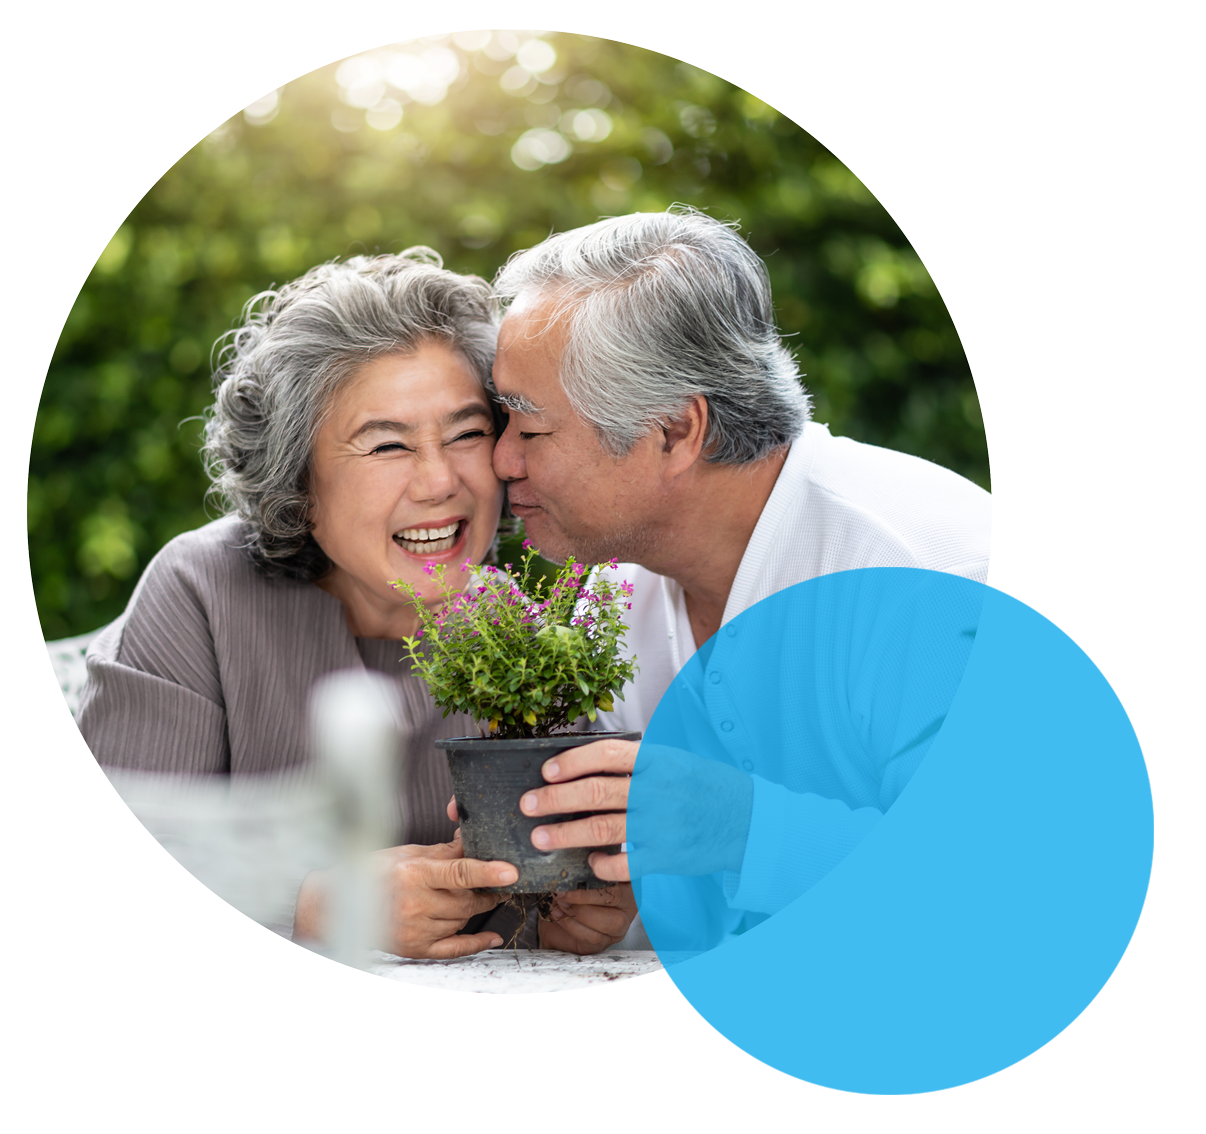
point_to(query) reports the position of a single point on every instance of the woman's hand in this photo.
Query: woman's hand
(428, 896)
(588, 921)
(583, 921)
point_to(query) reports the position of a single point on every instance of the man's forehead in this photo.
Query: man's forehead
(534, 335)
(527, 365)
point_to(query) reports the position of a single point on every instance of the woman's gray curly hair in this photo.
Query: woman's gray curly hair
(276, 376)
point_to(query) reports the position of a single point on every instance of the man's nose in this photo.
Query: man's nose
(508, 455)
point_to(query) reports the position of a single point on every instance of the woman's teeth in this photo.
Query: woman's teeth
(427, 541)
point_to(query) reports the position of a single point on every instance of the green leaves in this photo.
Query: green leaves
(266, 196)
(525, 656)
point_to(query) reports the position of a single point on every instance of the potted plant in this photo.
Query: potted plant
(526, 657)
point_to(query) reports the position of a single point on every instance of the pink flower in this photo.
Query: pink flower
(578, 568)
(528, 545)
(429, 568)
(626, 588)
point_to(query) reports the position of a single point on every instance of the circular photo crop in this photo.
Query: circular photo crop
(466, 389)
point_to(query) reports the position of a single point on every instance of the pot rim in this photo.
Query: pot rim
(515, 744)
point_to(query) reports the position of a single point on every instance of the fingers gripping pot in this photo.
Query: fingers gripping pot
(489, 778)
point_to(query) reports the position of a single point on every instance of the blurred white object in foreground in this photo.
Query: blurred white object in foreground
(354, 727)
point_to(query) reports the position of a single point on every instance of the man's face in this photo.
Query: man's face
(573, 496)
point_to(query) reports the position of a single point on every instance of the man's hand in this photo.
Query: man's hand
(588, 921)
(428, 894)
(575, 785)
(693, 817)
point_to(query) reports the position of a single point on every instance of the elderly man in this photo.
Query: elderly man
(656, 418)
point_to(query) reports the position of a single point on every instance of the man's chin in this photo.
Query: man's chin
(549, 540)
(556, 544)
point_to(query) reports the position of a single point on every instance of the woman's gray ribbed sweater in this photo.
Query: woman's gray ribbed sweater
(210, 667)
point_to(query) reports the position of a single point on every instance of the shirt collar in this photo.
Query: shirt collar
(791, 483)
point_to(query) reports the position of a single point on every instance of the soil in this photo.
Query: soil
(524, 903)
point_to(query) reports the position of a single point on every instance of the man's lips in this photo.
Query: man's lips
(527, 505)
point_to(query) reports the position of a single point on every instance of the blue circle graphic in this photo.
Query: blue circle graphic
(890, 831)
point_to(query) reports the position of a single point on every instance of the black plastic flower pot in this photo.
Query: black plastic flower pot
(489, 777)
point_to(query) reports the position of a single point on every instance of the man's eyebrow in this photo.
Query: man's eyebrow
(465, 413)
(517, 403)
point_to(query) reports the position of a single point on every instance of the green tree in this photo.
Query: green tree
(477, 146)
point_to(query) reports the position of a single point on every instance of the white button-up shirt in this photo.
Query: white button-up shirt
(837, 506)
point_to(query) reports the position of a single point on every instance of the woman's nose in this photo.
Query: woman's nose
(435, 478)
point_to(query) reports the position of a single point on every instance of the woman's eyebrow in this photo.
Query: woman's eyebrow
(383, 427)
(465, 413)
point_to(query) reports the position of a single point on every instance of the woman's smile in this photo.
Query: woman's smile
(435, 538)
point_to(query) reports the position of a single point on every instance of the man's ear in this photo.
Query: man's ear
(683, 437)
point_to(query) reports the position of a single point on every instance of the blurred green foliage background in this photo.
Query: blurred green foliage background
(477, 144)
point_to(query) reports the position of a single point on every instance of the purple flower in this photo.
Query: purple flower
(528, 545)
(429, 568)
(578, 568)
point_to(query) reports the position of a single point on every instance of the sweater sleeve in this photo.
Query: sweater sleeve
(153, 701)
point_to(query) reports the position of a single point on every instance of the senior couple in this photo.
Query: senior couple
(374, 416)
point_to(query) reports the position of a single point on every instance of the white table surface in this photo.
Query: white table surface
(133, 922)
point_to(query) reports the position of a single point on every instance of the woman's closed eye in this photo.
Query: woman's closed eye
(472, 435)
(390, 447)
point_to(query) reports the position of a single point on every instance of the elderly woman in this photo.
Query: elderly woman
(351, 439)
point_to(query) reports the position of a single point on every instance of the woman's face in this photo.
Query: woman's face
(401, 477)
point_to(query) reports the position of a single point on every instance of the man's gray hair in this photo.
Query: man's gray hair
(276, 376)
(660, 308)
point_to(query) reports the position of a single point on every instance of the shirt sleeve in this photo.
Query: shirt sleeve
(880, 679)
(795, 839)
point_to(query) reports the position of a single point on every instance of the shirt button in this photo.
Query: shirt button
(731, 630)
(726, 726)
(714, 677)
(748, 765)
